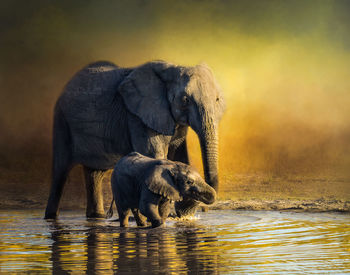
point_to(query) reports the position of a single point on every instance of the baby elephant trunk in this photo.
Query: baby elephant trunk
(204, 193)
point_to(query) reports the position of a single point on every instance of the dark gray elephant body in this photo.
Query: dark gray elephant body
(146, 186)
(96, 116)
(106, 112)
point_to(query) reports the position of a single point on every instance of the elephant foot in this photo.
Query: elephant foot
(204, 208)
(186, 207)
(157, 223)
(50, 215)
(96, 215)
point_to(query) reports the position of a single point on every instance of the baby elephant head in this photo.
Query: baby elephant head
(178, 181)
(192, 185)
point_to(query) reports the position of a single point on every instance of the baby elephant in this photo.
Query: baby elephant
(147, 186)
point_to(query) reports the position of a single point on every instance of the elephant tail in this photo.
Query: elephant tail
(109, 213)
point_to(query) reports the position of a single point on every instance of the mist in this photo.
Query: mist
(283, 67)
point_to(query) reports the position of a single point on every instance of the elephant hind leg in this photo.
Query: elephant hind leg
(123, 217)
(61, 163)
(94, 199)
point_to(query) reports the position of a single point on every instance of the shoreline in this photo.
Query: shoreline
(308, 205)
(318, 205)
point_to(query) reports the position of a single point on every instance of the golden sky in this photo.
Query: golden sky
(283, 67)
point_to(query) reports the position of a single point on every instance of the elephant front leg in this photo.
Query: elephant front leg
(164, 209)
(149, 207)
(146, 141)
(150, 210)
(139, 218)
(178, 146)
(152, 213)
(94, 199)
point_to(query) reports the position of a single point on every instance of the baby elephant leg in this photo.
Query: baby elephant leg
(139, 218)
(164, 209)
(123, 217)
(150, 210)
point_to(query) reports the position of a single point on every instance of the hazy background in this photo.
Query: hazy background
(283, 67)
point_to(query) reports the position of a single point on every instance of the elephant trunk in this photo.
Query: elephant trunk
(209, 147)
(207, 131)
(206, 193)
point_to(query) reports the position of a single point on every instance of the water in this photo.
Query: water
(224, 242)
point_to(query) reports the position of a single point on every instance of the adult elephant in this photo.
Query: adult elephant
(106, 112)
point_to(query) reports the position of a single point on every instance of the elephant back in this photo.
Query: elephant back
(136, 164)
(89, 84)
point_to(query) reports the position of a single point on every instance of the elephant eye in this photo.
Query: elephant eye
(185, 100)
(190, 182)
(217, 99)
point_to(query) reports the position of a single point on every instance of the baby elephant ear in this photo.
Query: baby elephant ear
(145, 95)
(161, 182)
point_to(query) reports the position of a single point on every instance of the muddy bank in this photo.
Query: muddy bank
(239, 192)
(319, 205)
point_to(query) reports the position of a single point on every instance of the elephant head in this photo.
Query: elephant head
(163, 96)
(178, 181)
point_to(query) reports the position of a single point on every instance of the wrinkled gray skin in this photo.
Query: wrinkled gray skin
(147, 186)
(106, 112)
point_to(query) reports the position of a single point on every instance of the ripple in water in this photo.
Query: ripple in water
(214, 242)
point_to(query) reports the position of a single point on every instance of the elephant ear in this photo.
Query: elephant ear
(160, 181)
(145, 95)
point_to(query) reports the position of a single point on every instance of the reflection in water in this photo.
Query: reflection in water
(191, 243)
(144, 251)
(161, 250)
(58, 242)
(218, 242)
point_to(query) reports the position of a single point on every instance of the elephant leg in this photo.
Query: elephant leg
(149, 207)
(139, 218)
(178, 146)
(147, 141)
(59, 177)
(164, 209)
(94, 199)
(151, 211)
(123, 217)
(179, 152)
(61, 163)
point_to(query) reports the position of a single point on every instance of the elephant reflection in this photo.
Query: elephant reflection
(57, 236)
(92, 253)
(145, 251)
(201, 252)
(133, 250)
(165, 251)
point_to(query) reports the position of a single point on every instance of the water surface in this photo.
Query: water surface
(222, 242)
